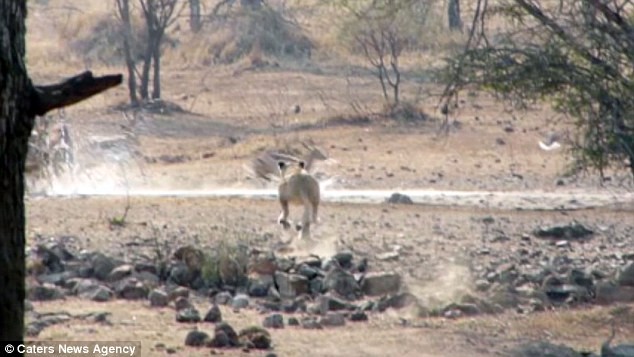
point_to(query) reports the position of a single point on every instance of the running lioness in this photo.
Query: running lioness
(298, 187)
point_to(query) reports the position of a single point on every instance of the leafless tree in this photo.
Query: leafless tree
(454, 15)
(381, 31)
(123, 10)
(158, 16)
(194, 15)
(382, 47)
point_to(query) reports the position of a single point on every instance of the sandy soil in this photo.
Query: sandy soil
(489, 148)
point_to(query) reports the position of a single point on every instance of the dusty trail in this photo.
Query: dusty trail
(524, 200)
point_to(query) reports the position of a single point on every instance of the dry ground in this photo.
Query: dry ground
(488, 148)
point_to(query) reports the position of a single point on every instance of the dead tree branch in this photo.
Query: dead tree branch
(71, 91)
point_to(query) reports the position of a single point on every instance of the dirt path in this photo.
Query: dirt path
(504, 200)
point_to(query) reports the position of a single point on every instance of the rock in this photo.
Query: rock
(330, 303)
(312, 261)
(616, 351)
(626, 276)
(570, 231)
(223, 298)
(506, 273)
(291, 306)
(182, 303)
(291, 285)
(213, 315)
(170, 350)
(35, 327)
(147, 278)
(196, 338)
(316, 286)
(308, 271)
(120, 272)
(544, 349)
(503, 297)
(342, 283)
(333, 319)
(256, 336)
(482, 285)
(293, 321)
(397, 198)
(398, 301)
(380, 283)
(367, 306)
(158, 298)
(102, 265)
(464, 309)
(388, 256)
(56, 278)
(220, 340)
(451, 313)
(358, 315)
(85, 271)
(344, 259)
(259, 285)
(100, 294)
(44, 292)
(608, 292)
(50, 259)
(145, 267)
(580, 278)
(565, 292)
(225, 334)
(562, 244)
(240, 301)
(82, 287)
(273, 321)
(310, 323)
(177, 292)
(180, 274)
(189, 314)
(131, 289)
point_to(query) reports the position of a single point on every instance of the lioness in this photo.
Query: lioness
(298, 187)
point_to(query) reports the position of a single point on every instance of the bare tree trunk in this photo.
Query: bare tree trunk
(124, 12)
(156, 81)
(15, 130)
(20, 103)
(251, 4)
(147, 63)
(453, 13)
(194, 15)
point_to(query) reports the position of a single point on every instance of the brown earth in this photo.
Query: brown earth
(490, 147)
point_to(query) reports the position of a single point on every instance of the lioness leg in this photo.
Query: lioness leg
(305, 231)
(315, 210)
(283, 218)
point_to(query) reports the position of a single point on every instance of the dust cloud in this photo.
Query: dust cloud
(451, 281)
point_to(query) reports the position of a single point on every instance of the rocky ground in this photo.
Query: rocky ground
(386, 266)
